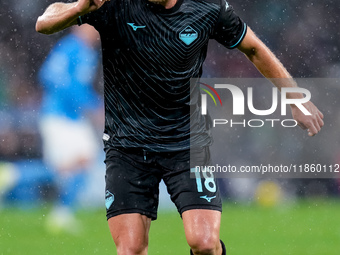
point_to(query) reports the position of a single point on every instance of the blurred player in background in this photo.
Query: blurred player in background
(151, 50)
(71, 112)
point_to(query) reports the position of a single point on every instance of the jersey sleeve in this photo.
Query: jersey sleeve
(229, 29)
(99, 18)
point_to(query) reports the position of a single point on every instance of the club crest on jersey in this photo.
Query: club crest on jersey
(109, 198)
(188, 35)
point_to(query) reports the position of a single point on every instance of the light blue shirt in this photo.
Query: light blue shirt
(67, 77)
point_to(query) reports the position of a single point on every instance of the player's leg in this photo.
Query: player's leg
(130, 233)
(202, 229)
(69, 156)
(197, 198)
(131, 199)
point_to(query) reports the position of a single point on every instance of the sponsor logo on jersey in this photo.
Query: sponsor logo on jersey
(134, 27)
(208, 198)
(226, 5)
(109, 198)
(106, 137)
(188, 35)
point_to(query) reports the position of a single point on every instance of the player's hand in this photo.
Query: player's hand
(312, 123)
(86, 6)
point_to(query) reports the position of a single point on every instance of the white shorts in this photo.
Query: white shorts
(67, 142)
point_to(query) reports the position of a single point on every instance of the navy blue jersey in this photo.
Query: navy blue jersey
(149, 56)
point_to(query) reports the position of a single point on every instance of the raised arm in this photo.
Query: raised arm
(271, 68)
(59, 16)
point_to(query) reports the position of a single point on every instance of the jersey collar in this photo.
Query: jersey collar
(157, 8)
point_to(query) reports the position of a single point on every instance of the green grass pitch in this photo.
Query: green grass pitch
(307, 227)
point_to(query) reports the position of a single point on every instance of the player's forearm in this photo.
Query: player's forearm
(57, 17)
(271, 67)
(267, 63)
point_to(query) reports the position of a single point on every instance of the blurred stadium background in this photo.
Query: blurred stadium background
(290, 216)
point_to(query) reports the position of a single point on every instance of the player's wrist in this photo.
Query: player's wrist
(294, 95)
(79, 9)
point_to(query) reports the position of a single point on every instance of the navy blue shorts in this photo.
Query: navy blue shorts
(133, 177)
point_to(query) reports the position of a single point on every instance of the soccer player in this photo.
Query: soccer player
(151, 50)
(70, 107)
